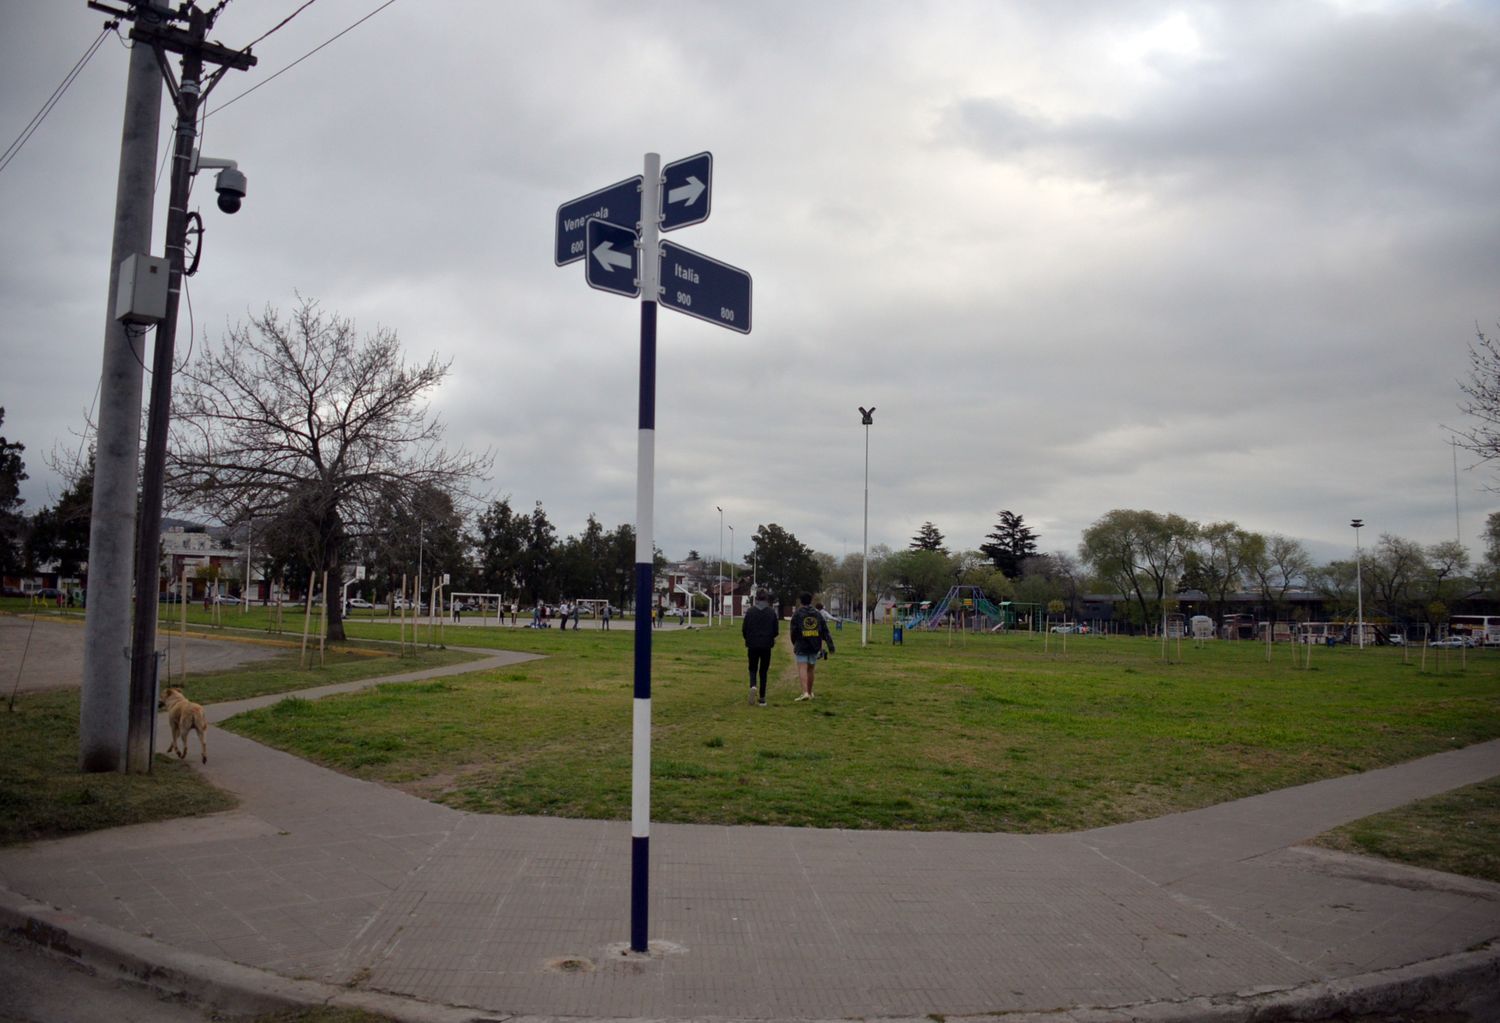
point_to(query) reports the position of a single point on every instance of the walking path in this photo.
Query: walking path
(320, 876)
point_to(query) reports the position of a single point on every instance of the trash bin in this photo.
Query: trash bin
(896, 631)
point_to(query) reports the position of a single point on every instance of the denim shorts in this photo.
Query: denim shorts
(807, 658)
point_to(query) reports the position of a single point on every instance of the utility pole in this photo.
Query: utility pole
(106, 629)
(159, 38)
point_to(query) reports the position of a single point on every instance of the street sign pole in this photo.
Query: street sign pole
(640, 779)
(601, 228)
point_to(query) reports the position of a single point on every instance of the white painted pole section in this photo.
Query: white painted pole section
(648, 263)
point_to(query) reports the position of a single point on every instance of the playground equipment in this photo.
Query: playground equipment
(967, 608)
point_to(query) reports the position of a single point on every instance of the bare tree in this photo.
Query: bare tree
(302, 419)
(1277, 563)
(1482, 398)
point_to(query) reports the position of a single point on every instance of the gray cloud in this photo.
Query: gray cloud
(1221, 260)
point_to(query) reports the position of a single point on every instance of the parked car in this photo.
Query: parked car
(226, 599)
(1452, 641)
(360, 602)
(47, 593)
(1396, 639)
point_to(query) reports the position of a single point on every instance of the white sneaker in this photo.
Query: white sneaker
(753, 694)
(799, 699)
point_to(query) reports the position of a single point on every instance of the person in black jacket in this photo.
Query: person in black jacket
(809, 633)
(760, 627)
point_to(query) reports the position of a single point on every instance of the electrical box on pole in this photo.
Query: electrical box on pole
(142, 295)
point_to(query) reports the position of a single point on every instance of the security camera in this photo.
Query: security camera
(230, 184)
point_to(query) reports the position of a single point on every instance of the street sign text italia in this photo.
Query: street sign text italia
(611, 258)
(701, 286)
(687, 187)
(619, 203)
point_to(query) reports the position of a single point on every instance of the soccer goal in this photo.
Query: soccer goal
(486, 605)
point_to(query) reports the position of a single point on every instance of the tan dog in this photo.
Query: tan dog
(185, 716)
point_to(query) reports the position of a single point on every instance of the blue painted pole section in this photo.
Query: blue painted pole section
(640, 796)
(648, 261)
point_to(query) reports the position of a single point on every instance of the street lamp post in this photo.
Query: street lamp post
(732, 573)
(719, 582)
(867, 416)
(1359, 583)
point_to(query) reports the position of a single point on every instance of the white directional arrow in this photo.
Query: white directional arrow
(687, 193)
(608, 258)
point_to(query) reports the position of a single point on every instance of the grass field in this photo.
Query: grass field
(983, 734)
(43, 794)
(1458, 832)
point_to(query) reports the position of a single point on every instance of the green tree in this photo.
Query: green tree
(422, 529)
(1218, 563)
(1141, 554)
(12, 523)
(928, 538)
(535, 576)
(500, 547)
(1049, 577)
(921, 574)
(61, 532)
(785, 566)
(1011, 543)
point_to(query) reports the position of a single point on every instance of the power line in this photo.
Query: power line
(57, 94)
(299, 60)
(284, 21)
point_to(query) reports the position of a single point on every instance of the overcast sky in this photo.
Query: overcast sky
(1218, 259)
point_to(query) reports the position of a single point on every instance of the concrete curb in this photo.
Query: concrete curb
(1465, 986)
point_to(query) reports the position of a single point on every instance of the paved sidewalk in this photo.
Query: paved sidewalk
(321, 876)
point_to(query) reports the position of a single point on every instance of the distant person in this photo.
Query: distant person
(838, 623)
(577, 614)
(760, 627)
(536, 617)
(515, 606)
(809, 635)
(605, 616)
(562, 616)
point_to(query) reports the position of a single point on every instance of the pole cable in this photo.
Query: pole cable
(57, 94)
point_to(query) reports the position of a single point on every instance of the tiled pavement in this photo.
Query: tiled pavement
(321, 876)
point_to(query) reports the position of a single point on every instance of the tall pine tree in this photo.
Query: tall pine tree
(928, 538)
(1011, 543)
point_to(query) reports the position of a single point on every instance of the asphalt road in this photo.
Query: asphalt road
(37, 987)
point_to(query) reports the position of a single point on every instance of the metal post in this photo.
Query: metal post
(1359, 582)
(868, 417)
(104, 700)
(733, 574)
(719, 585)
(640, 778)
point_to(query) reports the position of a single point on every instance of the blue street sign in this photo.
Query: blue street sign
(620, 203)
(611, 258)
(700, 286)
(687, 186)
